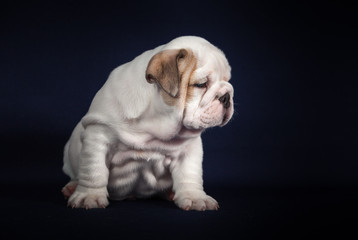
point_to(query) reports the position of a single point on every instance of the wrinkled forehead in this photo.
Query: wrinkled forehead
(212, 63)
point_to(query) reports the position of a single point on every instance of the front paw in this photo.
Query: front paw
(84, 197)
(194, 200)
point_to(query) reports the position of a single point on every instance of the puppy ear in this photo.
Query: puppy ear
(163, 69)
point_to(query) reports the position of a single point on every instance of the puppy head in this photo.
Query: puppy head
(194, 79)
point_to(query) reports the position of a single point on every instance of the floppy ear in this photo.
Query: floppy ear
(163, 69)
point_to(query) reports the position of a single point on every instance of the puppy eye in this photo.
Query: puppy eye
(201, 85)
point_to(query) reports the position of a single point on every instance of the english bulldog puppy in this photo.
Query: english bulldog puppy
(142, 133)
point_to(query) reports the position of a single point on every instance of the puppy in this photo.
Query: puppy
(142, 133)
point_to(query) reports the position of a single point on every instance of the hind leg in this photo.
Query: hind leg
(69, 188)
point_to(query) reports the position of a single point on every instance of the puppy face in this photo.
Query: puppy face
(211, 101)
(196, 83)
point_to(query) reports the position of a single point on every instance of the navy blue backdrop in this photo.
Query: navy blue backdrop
(294, 70)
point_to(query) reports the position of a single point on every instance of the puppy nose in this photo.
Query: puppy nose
(225, 100)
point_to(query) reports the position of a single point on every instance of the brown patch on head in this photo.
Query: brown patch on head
(190, 89)
(169, 69)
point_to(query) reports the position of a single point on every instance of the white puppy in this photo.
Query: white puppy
(141, 135)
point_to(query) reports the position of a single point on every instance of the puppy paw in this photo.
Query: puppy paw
(69, 188)
(196, 201)
(84, 197)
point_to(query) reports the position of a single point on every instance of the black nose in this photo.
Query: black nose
(225, 100)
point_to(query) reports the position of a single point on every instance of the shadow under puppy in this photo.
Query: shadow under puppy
(142, 133)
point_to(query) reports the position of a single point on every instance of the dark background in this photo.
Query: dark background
(285, 166)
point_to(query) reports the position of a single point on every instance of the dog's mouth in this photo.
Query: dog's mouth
(213, 115)
(226, 117)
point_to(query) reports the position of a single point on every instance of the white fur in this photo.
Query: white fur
(133, 144)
